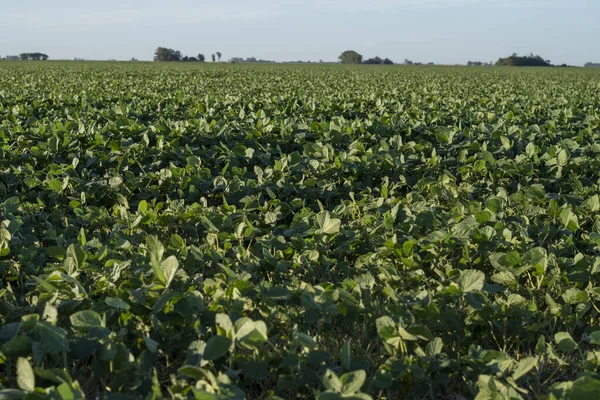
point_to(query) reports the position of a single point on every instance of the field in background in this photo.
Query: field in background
(221, 231)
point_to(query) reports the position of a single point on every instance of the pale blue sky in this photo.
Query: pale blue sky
(441, 31)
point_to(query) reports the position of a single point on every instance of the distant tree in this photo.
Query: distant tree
(478, 64)
(33, 56)
(185, 58)
(134, 59)
(387, 61)
(219, 54)
(375, 60)
(200, 57)
(234, 60)
(162, 54)
(350, 57)
(213, 58)
(592, 65)
(523, 61)
(408, 62)
(166, 54)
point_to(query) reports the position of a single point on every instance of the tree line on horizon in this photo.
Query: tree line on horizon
(353, 57)
(33, 56)
(167, 54)
(531, 60)
(346, 57)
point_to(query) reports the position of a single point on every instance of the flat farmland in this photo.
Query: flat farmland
(230, 231)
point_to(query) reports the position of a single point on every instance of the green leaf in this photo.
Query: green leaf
(434, 347)
(404, 334)
(209, 225)
(54, 339)
(537, 258)
(84, 320)
(9, 331)
(12, 394)
(252, 333)
(195, 352)
(471, 280)
(143, 207)
(216, 347)
(306, 340)
(562, 158)
(329, 395)
(151, 344)
(77, 254)
(115, 181)
(564, 342)
(25, 375)
(224, 323)
(444, 136)
(353, 381)
(510, 260)
(540, 347)
(192, 372)
(463, 229)
(117, 303)
(19, 346)
(595, 337)
(505, 278)
(193, 161)
(346, 355)
(169, 268)
(155, 248)
(386, 327)
(524, 366)
(327, 225)
(420, 332)
(425, 219)
(569, 220)
(592, 203)
(584, 388)
(575, 296)
(11, 205)
(495, 204)
(66, 391)
(332, 382)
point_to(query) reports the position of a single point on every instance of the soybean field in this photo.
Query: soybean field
(232, 231)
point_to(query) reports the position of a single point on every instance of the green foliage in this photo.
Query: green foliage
(174, 230)
(166, 54)
(377, 60)
(350, 57)
(33, 56)
(523, 61)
